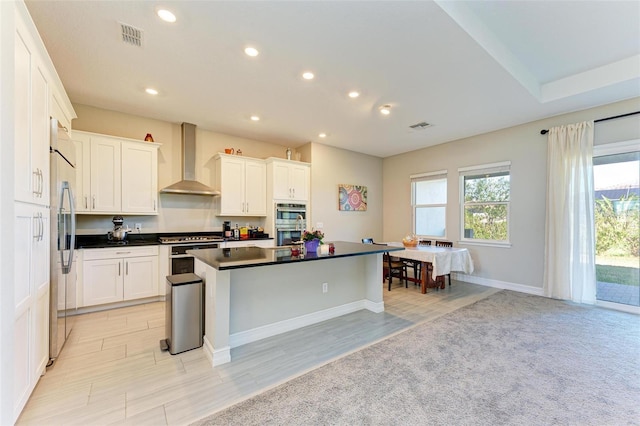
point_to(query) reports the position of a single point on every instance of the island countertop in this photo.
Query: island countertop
(249, 257)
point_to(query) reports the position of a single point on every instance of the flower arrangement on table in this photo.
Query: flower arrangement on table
(312, 240)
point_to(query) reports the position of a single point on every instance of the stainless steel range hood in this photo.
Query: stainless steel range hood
(189, 184)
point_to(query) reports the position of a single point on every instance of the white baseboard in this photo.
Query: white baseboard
(497, 284)
(258, 333)
(216, 357)
(375, 307)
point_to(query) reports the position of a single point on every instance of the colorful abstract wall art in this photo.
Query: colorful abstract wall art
(352, 197)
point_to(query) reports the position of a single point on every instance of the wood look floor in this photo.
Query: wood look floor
(112, 370)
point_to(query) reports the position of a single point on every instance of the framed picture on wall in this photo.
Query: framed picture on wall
(352, 197)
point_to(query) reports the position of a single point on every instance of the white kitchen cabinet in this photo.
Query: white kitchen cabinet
(288, 180)
(105, 178)
(140, 277)
(31, 298)
(112, 275)
(31, 102)
(242, 183)
(103, 282)
(25, 118)
(139, 177)
(115, 175)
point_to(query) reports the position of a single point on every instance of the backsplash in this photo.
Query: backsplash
(177, 213)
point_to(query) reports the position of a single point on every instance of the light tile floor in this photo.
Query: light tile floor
(112, 370)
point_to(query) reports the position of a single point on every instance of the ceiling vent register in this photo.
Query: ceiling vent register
(420, 126)
(131, 35)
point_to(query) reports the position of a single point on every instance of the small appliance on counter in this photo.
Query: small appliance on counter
(226, 226)
(119, 232)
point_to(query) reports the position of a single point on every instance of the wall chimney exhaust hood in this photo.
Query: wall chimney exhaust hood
(189, 184)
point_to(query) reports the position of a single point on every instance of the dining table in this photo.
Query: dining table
(443, 261)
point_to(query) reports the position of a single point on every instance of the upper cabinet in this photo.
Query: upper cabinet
(139, 177)
(115, 175)
(288, 180)
(242, 183)
(31, 121)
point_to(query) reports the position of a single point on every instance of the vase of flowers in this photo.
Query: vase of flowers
(312, 240)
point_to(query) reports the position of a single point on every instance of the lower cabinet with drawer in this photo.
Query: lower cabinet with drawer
(118, 274)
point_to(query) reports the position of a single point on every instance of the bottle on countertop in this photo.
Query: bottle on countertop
(236, 233)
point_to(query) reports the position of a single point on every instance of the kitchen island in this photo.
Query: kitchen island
(252, 293)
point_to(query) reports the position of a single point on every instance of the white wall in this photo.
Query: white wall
(332, 166)
(522, 263)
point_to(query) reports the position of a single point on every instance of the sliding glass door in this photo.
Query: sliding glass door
(617, 219)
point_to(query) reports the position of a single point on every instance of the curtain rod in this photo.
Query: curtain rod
(545, 131)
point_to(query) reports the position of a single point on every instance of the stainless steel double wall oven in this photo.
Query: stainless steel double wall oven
(290, 221)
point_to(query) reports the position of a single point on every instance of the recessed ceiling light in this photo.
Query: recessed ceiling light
(354, 94)
(307, 75)
(251, 51)
(151, 91)
(322, 135)
(255, 118)
(385, 109)
(166, 16)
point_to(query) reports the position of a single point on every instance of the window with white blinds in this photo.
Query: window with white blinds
(429, 204)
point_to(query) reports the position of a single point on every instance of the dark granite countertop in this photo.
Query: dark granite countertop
(101, 241)
(133, 239)
(248, 257)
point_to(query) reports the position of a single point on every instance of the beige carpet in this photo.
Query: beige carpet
(511, 359)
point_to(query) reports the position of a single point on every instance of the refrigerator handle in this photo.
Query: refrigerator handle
(66, 267)
(73, 226)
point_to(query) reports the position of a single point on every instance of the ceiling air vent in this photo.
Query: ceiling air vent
(420, 126)
(131, 35)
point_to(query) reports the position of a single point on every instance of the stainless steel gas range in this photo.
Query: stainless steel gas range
(180, 262)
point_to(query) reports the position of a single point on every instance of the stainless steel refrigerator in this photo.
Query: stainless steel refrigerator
(62, 299)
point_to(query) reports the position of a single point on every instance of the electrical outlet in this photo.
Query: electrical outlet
(319, 225)
(138, 227)
(325, 287)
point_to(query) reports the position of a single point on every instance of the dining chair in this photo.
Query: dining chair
(424, 242)
(445, 244)
(393, 268)
(416, 265)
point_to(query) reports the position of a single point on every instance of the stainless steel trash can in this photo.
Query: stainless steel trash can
(184, 312)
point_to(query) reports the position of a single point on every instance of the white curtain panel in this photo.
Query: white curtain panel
(570, 232)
